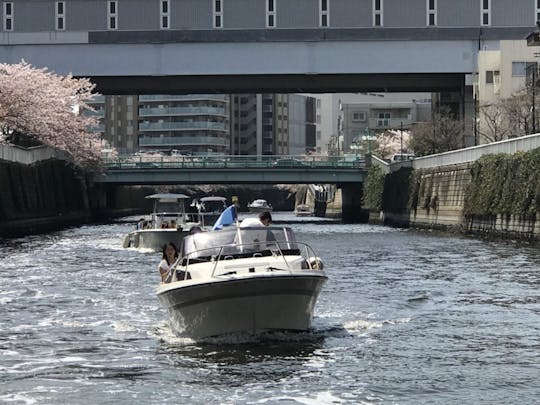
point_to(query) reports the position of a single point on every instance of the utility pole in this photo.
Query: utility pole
(534, 98)
(401, 138)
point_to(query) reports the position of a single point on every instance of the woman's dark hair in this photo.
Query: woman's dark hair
(195, 229)
(165, 251)
(265, 215)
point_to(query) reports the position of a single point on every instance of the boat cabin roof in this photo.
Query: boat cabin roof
(167, 197)
(233, 240)
(213, 198)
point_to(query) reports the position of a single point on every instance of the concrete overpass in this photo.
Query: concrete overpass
(236, 61)
(233, 170)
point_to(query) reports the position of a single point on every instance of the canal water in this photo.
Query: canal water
(405, 318)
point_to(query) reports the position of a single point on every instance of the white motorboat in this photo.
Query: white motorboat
(210, 208)
(303, 210)
(242, 280)
(259, 205)
(168, 222)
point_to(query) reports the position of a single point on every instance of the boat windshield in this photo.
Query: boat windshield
(238, 240)
(213, 206)
(168, 207)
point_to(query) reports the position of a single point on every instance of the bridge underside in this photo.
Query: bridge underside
(282, 83)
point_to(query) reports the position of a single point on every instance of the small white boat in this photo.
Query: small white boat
(259, 206)
(210, 208)
(242, 280)
(168, 222)
(303, 210)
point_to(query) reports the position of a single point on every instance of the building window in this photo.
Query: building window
(112, 15)
(383, 119)
(8, 16)
(519, 69)
(485, 14)
(431, 13)
(164, 14)
(492, 76)
(377, 13)
(537, 13)
(324, 13)
(218, 13)
(60, 15)
(359, 116)
(270, 13)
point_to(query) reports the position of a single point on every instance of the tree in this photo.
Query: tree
(517, 110)
(493, 122)
(391, 142)
(506, 118)
(41, 107)
(442, 134)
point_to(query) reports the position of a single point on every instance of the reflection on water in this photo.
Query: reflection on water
(405, 318)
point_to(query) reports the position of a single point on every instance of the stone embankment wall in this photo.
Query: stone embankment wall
(42, 192)
(489, 190)
(41, 196)
(428, 198)
(438, 196)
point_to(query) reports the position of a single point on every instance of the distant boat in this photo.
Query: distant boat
(259, 206)
(303, 210)
(168, 222)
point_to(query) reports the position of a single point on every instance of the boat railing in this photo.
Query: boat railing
(281, 249)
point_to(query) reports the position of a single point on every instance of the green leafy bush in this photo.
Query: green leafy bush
(505, 184)
(373, 188)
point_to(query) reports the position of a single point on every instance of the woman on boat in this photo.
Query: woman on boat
(170, 254)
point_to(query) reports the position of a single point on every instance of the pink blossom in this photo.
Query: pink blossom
(49, 108)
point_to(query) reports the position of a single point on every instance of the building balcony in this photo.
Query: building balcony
(167, 111)
(182, 141)
(389, 123)
(184, 97)
(183, 126)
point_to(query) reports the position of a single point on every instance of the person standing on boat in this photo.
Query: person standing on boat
(264, 219)
(170, 255)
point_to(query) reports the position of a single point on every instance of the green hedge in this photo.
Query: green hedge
(373, 189)
(505, 184)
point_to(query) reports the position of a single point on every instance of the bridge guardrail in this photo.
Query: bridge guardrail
(240, 162)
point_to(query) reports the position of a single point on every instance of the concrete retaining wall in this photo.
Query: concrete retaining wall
(439, 204)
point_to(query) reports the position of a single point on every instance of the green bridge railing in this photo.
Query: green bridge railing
(234, 161)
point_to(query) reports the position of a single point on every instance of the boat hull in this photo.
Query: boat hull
(154, 239)
(242, 305)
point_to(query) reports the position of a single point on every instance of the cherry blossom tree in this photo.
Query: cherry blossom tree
(40, 107)
(392, 142)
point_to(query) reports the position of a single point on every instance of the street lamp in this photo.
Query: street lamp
(368, 137)
(355, 145)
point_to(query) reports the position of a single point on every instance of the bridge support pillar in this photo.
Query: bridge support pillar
(351, 204)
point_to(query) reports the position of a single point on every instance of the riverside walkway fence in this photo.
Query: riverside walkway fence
(460, 156)
(28, 156)
(466, 155)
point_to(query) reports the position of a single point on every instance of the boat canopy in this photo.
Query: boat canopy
(237, 240)
(167, 197)
(213, 198)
